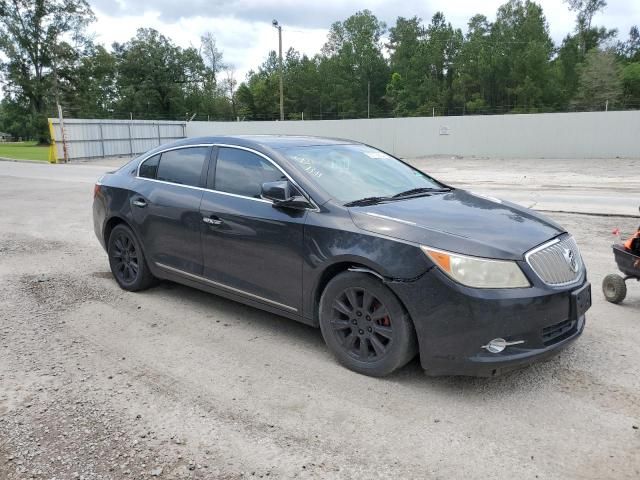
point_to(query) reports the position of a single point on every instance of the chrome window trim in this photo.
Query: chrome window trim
(540, 247)
(239, 147)
(180, 147)
(225, 287)
(260, 154)
(548, 244)
(206, 190)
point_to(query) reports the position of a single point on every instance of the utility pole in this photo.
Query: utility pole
(368, 98)
(279, 27)
(59, 107)
(63, 133)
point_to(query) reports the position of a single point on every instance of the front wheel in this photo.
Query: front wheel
(614, 288)
(127, 261)
(365, 326)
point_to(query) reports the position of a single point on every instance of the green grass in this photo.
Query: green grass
(24, 151)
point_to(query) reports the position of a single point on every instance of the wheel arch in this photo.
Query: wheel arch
(335, 269)
(110, 224)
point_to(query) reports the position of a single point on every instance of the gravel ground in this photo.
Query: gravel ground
(98, 383)
(609, 186)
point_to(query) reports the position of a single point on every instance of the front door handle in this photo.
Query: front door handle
(139, 203)
(212, 220)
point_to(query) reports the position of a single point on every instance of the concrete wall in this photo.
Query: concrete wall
(546, 135)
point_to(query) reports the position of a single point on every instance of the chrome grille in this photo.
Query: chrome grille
(553, 263)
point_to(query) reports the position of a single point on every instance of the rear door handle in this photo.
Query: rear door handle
(139, 202)
(212, 220)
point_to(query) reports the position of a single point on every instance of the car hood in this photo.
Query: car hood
(460, 221)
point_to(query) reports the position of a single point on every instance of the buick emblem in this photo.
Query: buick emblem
(570, 257)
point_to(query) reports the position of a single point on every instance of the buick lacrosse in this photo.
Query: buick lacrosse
(386, 260)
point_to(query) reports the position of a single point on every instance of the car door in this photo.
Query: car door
(250, 247)
(166, 207)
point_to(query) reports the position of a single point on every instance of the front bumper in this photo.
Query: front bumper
(453, 322)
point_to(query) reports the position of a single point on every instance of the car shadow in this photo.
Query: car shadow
(411, 376)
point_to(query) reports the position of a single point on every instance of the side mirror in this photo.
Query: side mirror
(282, 195)
(276, 191)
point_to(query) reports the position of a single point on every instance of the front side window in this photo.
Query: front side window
(182, 166)
(242, 173)
(351, 172)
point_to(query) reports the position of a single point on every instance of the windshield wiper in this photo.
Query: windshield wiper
(416, 191)
(366, 201)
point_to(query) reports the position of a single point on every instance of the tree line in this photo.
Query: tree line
(413, 68)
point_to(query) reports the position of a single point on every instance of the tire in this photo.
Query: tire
(614, 288)
(127, 261)
(365, 326)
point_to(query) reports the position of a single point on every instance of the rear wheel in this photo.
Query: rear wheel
(365, 326)
(127, 261)
(614, 288)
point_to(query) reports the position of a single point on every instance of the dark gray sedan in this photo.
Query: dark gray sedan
(386, 260)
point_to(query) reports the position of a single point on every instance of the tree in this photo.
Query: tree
(522, 49)
(39, 38)
(157, 77)
(212, 56)
(630, 50)
(405, 39)
(263, 85)
(245, 105)
(473, 86)
(354, 58)
(92, 89)
(440, 52)
(600, 83)
(509, 65)
(304, 85)
(585, 9)
(631, 84)
(229, 87)
(426, 60)
(404, 43)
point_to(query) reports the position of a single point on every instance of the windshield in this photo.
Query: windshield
(351, 172)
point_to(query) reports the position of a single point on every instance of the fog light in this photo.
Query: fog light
(497, 345)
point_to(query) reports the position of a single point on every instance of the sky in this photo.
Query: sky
(244, 32)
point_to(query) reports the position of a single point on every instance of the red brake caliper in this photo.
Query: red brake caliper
(384, 321)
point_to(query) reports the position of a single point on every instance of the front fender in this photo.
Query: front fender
(329, 251)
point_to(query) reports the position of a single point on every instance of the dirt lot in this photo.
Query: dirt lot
(97, 383)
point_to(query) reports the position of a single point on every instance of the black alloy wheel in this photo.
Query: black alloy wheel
(364, 324)
(127, 261)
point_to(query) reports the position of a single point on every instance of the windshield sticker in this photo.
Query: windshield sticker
(340, 163)
(307, 165)
(375, 154)
(313, 171)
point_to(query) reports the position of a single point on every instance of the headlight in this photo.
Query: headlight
(478, 272)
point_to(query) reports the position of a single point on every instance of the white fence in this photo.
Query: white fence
(105, 138)
(549, 135)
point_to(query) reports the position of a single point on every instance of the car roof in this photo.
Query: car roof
(268, 141)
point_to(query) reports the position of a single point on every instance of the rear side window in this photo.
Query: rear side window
(183, 166)
(149, 168)
(243, 173)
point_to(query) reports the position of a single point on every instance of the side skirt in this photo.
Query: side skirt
(200, 285)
